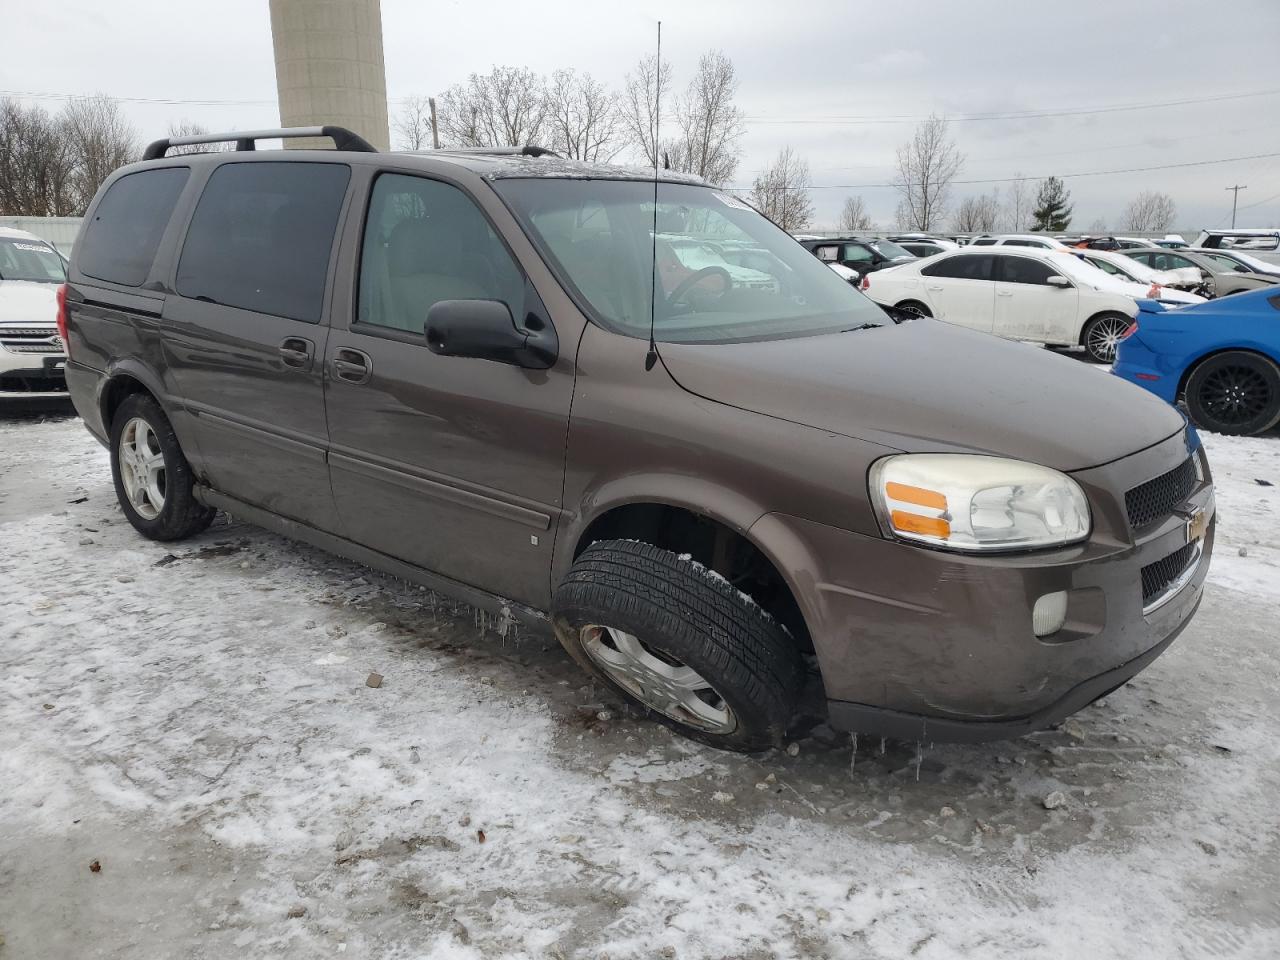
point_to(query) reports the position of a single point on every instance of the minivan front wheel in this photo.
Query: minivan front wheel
(680, 641)
(153, 480)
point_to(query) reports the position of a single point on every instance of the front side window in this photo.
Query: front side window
(723, 273)
(1106, 266)
(962, 266)
(1227, 263)
(426, 241)
(30, 260)
(261, 237)
(857, 253)
(1024, 270)
(120, 242)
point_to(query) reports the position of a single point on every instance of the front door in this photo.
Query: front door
(244, 335)
(450, 463)
(1028, 307)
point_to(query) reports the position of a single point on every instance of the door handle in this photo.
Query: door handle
(351, 366)
(1004, 293)
(933, 288)
(297, 352)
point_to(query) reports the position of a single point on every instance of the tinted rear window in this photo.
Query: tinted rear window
(261, 236)
(120, 242)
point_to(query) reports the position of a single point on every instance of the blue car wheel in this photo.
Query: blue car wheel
(1235, 393)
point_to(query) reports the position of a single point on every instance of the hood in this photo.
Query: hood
(926, 385)
(22, 301)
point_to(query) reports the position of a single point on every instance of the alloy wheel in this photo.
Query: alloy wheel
(142, 468)
(657, 679)
(1235, 394)
(1104, 337)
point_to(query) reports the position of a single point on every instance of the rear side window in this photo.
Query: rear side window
(261, 236)
(983, 242)
(426, 241)
(828, 254)
(120, 242)
(963, 266)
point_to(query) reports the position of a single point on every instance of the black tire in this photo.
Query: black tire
(682, 612)
(1098, 334)
(180, 515)
(915, 307)
(1236, 393)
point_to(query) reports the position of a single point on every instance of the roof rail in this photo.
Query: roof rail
(529, 150)
(343, 139)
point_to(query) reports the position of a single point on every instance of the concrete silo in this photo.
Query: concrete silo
(329, 66)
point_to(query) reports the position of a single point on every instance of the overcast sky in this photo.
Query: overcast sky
(803, 66)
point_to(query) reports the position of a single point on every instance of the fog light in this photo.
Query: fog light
(1049, 613)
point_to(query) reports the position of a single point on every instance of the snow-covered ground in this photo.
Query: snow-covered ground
(194, 718)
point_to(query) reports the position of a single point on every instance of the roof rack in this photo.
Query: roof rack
(343, 139)
(529, 150)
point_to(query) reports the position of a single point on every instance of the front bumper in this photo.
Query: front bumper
(27, 373)
(928, 645)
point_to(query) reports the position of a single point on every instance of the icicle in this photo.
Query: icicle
(919, 758)
(853, 757)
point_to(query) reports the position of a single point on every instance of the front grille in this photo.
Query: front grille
(1157, 576)
(1157, 498)
(31, 340)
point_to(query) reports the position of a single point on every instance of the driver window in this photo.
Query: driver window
(856, 253)
(426, 241)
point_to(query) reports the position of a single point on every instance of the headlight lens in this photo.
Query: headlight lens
(973, 503)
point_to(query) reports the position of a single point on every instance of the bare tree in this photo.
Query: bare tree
(583, 117)
(710, 124)
(781, 193)
(854, 217)
(927, 164)
(412, 124)
(188, 128)
(1149, 211)
(36, 163)
(1099, 225)
(101, 140)
(977, 214)
(643, 94)
(507, 107)
(1018, 207)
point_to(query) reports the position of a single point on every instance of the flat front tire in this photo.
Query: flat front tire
(681, 642)
(1236, 393)
(153, 480)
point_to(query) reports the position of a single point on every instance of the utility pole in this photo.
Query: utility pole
(1235, 195)
(435, 130)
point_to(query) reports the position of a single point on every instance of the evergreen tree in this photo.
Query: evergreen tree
(1053, 207)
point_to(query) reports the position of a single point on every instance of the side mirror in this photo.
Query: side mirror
(485, 330)
(1058, 281)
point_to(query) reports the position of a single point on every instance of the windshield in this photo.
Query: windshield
(30, 260)
(724, 273)
(1130, 270)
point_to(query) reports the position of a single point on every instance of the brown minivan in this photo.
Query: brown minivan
(634, 409)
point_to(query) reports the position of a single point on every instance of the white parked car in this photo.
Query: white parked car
(1035, 240)
(1022, 293)
(32, 355)
(1127, 268)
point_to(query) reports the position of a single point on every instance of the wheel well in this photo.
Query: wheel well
(711, 543)
(1190, 368)
(919, 303)
(117, 390)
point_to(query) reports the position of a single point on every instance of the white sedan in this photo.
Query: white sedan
(1022, 293)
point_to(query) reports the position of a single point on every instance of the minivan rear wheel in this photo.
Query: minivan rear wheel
(153, 480)
(682, 642)
(1235, 393)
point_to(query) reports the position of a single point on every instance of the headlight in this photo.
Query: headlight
(973, 503)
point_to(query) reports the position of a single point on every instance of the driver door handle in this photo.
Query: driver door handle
(1004, 293)
(351, 366)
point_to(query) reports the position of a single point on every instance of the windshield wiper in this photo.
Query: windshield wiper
(863, 326)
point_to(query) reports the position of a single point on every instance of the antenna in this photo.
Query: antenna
(652, 356)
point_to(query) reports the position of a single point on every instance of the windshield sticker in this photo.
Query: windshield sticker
(38, 248)
(729, 201)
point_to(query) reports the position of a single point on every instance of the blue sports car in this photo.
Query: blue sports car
(1221, 358)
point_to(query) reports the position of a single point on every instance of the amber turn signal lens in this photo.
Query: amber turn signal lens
(905, 493)
(914, 523)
